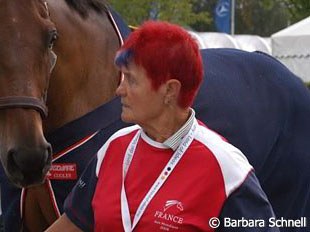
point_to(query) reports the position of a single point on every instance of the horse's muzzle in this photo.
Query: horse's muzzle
(27, 167)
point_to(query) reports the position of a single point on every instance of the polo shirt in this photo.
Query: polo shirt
(213, 179)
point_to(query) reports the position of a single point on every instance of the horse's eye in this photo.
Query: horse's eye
(52, 38)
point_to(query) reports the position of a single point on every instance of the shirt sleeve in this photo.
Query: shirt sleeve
(78, 204)
(249, 204)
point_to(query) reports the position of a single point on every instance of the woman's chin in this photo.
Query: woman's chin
(126, 118)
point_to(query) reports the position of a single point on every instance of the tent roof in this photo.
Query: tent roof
(252, 43)
(218, 40)
(300, 28)
(292, 42)
(198, 39)
(292, 47)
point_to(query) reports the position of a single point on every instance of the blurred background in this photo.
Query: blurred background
(280, 28)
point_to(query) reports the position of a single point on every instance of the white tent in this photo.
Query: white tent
(218, 40)
(252, 43)
(198, 39)
(292, 47)
(222, 40)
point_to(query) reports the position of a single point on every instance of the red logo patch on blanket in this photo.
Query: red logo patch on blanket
(62, 171)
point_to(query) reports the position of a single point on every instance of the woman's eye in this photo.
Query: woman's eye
(131, 80)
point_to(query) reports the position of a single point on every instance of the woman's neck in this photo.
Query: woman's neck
(166, 125)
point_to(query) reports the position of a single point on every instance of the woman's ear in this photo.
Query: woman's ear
(173, 88)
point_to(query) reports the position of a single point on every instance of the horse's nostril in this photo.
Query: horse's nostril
(11, 154)
(29, 165)
(12, 157)
(47, 159)
(12, 165)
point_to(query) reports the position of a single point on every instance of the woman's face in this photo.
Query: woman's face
(141, 104)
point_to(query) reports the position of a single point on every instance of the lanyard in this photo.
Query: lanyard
(176, 157)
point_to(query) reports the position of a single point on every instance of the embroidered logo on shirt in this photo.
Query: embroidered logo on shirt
(171, 203)
(169, 219)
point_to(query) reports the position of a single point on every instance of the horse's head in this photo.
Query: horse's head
(26, 39)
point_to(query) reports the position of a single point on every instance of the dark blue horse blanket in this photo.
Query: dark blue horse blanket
(263, 109)
(249, 98)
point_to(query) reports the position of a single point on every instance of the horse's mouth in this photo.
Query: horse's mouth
(26, 182)
(28, 179)
(27, 167)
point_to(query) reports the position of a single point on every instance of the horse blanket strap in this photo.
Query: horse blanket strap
(120, 26)
(77, 130)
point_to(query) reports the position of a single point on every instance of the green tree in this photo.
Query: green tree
(298, 9)
(180, 12)
(260, 17)
(204, 6)
(263, 17)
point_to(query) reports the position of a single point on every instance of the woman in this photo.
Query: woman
(169, 172)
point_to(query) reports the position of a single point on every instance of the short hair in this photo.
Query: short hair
(166, 51)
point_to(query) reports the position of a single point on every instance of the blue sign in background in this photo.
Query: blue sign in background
(222, 16)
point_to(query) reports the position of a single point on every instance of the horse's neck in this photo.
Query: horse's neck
(85, 76)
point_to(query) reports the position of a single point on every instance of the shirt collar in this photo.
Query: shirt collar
(175, 140)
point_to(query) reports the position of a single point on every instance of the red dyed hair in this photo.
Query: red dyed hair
(165, 51)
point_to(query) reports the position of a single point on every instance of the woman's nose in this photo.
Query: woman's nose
(120, 90)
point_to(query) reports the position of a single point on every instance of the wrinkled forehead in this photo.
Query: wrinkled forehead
(128, 68)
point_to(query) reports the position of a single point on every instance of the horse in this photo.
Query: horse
(249, 98)
(83, 79)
